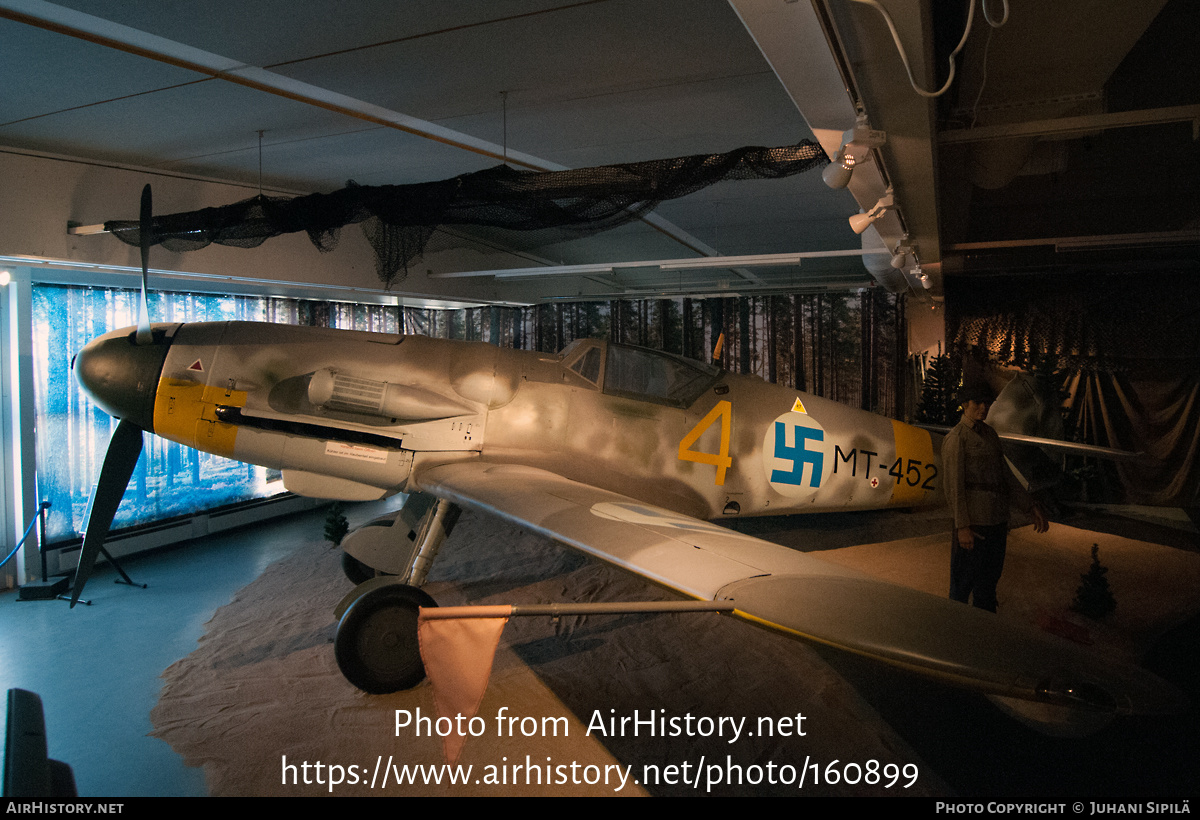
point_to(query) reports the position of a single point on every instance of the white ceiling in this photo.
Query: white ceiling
(337, 88)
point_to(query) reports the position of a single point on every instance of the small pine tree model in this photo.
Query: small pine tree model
(938, 405)
(336, 525)
(1093, 598)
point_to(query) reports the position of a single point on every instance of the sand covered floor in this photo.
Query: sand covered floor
(262, 696)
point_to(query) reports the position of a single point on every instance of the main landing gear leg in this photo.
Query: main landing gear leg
(376, 644)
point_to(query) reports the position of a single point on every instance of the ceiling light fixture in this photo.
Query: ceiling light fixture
(860, 222)
(755, 260)
(837, 173)
(694, 263)
(857, 144)
(901, 256)
(922, 277)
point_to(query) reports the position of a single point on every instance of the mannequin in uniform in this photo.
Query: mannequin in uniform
(979, 489)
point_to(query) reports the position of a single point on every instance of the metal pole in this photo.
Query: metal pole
(558, 610)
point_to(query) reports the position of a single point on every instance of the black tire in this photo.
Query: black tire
(356, 570)
(376, 644)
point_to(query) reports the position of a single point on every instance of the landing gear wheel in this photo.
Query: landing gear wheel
(356, 570)
(376, 645)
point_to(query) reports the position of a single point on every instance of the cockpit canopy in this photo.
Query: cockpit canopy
(639, 373)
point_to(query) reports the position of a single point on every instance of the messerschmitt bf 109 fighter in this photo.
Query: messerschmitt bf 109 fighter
(624, 453)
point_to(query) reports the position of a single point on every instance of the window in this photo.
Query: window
(583, 356)
(654, 376)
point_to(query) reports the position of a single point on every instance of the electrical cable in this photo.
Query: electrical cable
(987, 45)
(966, 33)
(988, 17)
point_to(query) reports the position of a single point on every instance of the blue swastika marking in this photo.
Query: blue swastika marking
(799, 455)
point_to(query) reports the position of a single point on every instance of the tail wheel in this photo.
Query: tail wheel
(376, 644)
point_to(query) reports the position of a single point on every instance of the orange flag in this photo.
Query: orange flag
(458, 645)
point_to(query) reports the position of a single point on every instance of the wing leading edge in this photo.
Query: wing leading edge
(800, 595)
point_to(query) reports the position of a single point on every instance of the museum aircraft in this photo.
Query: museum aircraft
(624, 453)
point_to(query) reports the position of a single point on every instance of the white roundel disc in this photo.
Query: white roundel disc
(796, 456)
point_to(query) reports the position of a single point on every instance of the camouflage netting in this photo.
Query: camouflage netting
(1088, 320)
(398, 220)
(1130, 346)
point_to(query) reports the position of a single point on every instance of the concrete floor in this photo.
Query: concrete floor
(97, 667)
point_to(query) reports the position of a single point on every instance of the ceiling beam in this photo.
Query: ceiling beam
(1187, 236)
(836, 63)
(122, 38)
(1076, 126)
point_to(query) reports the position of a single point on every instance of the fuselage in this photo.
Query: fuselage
(358, 415)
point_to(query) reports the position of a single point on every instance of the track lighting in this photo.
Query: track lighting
(860, 222)
(921, 276)
(901, 257)
(837, 173)
(855, 150)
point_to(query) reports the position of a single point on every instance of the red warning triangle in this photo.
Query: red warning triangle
(196, 366)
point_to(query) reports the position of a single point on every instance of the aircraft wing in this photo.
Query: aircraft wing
(798, 594)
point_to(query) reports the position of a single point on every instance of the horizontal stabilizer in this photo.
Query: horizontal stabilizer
(1066, 447)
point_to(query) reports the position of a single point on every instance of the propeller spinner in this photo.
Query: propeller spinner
(121, 376)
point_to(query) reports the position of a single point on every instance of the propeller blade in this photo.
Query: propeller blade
(146, 234)
(123, 450)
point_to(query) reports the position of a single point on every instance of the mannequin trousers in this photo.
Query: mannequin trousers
(974, 573)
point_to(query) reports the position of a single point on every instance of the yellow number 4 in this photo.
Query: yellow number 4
(721, 460)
